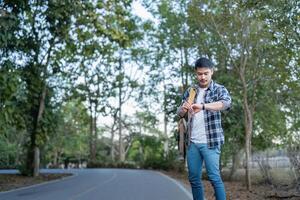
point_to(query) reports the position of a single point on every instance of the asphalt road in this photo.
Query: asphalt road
(104, 184)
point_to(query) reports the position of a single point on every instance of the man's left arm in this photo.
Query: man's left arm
(214, 106)
(223, 102)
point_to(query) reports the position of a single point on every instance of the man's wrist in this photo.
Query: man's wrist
(203, 106)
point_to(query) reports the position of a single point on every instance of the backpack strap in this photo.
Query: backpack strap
(192, 95)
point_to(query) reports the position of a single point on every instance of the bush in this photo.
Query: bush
(167, 164)
(7, 161)
(101, 164)
(152, 163)
(24, 171)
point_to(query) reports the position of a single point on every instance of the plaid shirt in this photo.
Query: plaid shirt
(213, 127)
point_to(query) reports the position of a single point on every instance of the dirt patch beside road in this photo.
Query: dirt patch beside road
(236, 190)
(13, 181)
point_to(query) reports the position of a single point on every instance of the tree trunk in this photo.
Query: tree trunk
(36, 162)
(55, 159)
(187, 74)
(30, 156)
(17, 158)
(184, 66)
(36, 165)
(32, 159)
(248, 118)
(91, 142)
(248, 156)
(95, 139)
(166, 139)
(235, 164)
(141, 150)
(121, 145)
(112, 150)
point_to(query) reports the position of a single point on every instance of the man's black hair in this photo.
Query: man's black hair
(203, 62)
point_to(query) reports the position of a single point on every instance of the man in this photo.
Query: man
(205, 134)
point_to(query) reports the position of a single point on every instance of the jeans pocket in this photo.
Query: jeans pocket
(218, 149)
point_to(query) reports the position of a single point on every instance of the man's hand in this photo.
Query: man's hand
(197, 107)
(186, 106)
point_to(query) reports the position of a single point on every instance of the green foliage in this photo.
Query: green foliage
(24, 170)
(81, 53)
(232, 31)
(69, 136)
(11, 97)
(40, 30)
(147, 153)
(151, 148)
(8, 153)
(234, 133)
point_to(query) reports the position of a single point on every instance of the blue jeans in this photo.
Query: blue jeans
(196, 155)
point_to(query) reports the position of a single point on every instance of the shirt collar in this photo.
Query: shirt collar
(210, 86)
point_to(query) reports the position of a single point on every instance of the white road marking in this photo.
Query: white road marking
(93, 188)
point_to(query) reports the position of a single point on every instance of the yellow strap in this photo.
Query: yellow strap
(192, 95)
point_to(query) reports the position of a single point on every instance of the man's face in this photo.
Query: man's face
(204, 76)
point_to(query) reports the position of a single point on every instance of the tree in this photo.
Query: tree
(41, 34)
(69, 136)
(100, 30)
(125, 82)
(169, 58)
(245, 42)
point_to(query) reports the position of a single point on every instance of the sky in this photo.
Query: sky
(130, 107)
(140, 11)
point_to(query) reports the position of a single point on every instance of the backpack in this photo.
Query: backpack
(182, 126)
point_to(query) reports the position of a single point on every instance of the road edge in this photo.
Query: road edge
(188, 193)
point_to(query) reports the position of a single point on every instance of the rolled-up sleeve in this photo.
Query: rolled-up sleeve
(225, 98)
